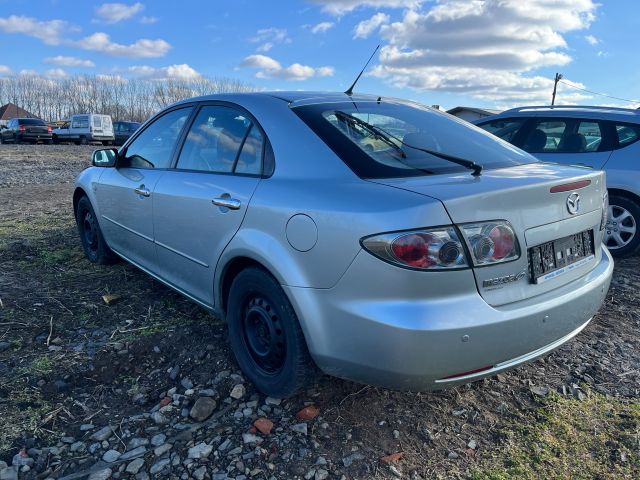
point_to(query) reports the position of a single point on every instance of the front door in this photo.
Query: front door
(199, 206)
(125, 193)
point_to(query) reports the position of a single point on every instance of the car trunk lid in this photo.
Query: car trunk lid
(533, 199)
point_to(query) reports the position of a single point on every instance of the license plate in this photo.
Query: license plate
(560, 256)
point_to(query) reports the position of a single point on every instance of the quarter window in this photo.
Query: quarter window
(222, 140)
(153, 148)
(627, 134)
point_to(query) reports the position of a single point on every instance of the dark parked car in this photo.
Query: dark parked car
(22, 130)
(123, 130)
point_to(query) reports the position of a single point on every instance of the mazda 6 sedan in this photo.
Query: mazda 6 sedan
(369, 238)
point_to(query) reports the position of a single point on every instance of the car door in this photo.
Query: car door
(199, 206)
(572, 141)
(125, 193)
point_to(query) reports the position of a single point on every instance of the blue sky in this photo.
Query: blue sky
(448, 52)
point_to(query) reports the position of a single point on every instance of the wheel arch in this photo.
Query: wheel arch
(78, 193)
(621, 192)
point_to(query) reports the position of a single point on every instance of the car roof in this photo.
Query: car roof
(590, 111)
(294, 98)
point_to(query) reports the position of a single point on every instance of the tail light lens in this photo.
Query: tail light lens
(431, 249)
(491, 242)
(605, 210)
(49, 129)
(22, 128)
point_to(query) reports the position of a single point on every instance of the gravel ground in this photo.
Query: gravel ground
(144, 385)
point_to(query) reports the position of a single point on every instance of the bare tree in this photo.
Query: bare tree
(124, 99)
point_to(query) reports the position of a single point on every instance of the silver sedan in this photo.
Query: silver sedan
(368, 238)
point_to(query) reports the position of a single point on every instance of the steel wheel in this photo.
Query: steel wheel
(620, 228)
(90, 232)
(263, 335)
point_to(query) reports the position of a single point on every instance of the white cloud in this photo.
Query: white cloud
(482, 48)
(50, 32)
(114, 79)
(4, 70)
(148, 20)
(367, 27)
(117, 12)
(269, 37)
(171, 72)
(340, 7)
(143, 48)
(69, 61)
(28, 72)
(591, 40)
(55, 73)
(322, 27)
(270, 68)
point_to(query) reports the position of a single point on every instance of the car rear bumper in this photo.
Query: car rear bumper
(102, 138)
(364, 329)
(34, 137)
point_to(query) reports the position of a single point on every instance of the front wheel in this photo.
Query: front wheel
(266, 337)
(95, 248)
(621, 234)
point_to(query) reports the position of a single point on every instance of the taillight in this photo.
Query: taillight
(49, 129)
(428, 249)
(22, 128)
(605, 211)
(491, 242)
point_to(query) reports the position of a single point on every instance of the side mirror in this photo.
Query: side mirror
(105, 157)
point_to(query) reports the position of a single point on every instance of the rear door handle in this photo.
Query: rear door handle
(226, 201)
(142, 190)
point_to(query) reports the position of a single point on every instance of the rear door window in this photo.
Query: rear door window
(97, 121)
(586, 138)
(222, 140)
(545, 136)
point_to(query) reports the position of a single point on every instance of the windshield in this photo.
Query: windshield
(389, 139)
(30, 121)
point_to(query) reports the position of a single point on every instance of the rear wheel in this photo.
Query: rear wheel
(266, 337)
(95, 248)
(621, 235)
(1, 139)
(17, 140)
(83, 140)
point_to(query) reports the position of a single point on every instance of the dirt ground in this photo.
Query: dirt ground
(88, 388)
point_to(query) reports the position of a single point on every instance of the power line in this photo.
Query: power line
(598, 93)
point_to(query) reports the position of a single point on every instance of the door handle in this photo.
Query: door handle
(142, 190)
(226, 201)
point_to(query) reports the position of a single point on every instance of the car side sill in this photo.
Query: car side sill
(205, 305)
(516, 361)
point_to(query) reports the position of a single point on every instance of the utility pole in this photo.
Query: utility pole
(555, 85)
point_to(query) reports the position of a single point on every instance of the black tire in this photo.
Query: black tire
(624, 215)
(16, 141)
(1, 139)
(266, 337)
(84, 141)
(55, 140)
(95, 248)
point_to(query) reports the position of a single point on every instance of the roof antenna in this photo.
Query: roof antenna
(350, 89)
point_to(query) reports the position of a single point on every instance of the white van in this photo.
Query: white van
(85, 128)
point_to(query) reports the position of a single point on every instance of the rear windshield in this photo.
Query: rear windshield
(30, 121)
(388, 139)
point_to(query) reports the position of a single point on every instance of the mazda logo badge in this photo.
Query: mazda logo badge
(573, 203)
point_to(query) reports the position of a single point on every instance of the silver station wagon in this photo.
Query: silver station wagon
(369, 238)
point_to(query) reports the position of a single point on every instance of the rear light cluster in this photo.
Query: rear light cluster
(49, 129)
(442, 248)
(22, 128)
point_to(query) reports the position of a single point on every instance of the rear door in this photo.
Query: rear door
(571, 141)
(125, 193)
(199, 206)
